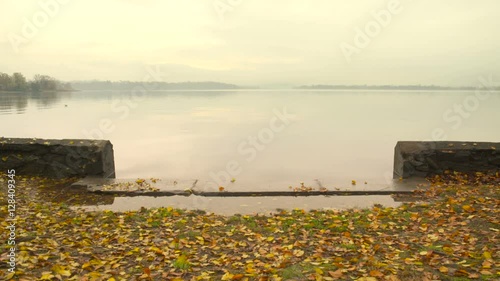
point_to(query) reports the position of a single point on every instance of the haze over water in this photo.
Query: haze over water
(333, 136)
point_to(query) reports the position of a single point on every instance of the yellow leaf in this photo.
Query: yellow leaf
(318, 270)
(111, 279)
(10, 276)
(298, 253)
(156, 250)
(487, 255)
(47, 276)
(57, 269)
(447, 249)
(227, 276)
(443, 269)
(95, 274)
(467, 208)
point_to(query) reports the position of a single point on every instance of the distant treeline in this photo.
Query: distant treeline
(127, 85)
(17, 82)
(387, 87)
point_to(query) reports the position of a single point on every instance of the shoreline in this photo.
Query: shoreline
(36, 92)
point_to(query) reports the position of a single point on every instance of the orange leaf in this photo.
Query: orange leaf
(474, 276)
(486, 264)
(376, 273)
(335, 274)
(392, 278)
(237, 276)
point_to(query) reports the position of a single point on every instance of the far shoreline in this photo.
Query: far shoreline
(36, 92)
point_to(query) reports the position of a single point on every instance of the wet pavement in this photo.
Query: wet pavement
(238, 198)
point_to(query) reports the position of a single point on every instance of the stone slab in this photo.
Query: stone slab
(422, 159)
(171, 187)
(58, 158)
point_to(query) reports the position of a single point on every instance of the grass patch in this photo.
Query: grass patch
(181, 263)
(292, 272)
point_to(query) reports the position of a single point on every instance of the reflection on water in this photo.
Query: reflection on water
(229, 203)
(13, 102)
(18, 102)
(333, 136)
(246, 205)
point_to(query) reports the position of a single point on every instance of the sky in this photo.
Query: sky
(274, 43)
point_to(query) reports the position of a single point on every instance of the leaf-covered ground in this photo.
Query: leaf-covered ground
(452, 235)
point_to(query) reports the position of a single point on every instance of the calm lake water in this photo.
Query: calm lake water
(261, 138)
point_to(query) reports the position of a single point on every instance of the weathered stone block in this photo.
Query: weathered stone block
(413, 158)
(58, 158)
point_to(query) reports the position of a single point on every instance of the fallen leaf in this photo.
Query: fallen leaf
(336, 274)
(237, 277)
(227, 276)
(443, 269)
(376, 273)
(61, 270)
(298, 253)
(367, 279)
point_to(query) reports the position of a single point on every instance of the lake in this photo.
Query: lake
(260, 139)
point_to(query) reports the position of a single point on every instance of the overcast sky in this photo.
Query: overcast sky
(254, 42)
